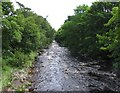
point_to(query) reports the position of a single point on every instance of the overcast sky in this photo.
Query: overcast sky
(56, 10)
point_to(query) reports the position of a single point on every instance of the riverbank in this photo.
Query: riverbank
(14, 78)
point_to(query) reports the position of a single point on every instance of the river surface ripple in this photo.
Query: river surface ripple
(57, 70)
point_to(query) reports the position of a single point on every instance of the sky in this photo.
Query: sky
(56, 10)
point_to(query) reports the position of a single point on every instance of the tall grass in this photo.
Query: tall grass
(18, 61)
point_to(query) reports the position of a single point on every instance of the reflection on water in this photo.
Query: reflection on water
(57, 70)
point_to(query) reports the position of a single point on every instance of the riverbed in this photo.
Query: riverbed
(57, 70)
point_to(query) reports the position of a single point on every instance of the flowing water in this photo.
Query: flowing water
(57, 70)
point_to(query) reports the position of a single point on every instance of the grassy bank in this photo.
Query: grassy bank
(10, 71)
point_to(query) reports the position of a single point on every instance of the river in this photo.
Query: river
(57, 70)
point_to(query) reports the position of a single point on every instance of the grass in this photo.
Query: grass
(19, 61)
(6, 76)
(0, 73)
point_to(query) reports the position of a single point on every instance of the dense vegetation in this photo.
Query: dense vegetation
(23, 34)
(93, 32)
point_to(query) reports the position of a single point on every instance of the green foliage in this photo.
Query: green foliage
(93, 31)
(7, 8)
(6, 75)
(112, 37)
(23, 33)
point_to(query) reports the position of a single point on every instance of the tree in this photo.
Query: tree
(85, 32)
(23, 31)
(111, 39)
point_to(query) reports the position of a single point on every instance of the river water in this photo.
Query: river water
(57, 70)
